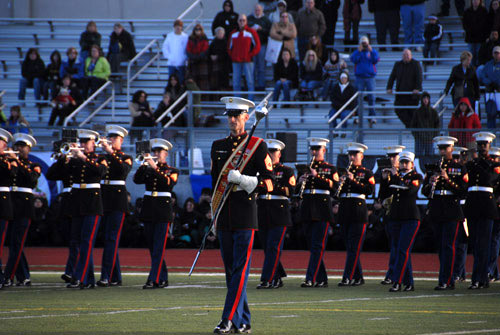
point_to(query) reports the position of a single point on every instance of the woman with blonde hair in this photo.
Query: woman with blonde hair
(464, 80)
(311, 72)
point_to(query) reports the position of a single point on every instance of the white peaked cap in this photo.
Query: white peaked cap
(459, 150)
(27, 139)
(317, 141)
(237, 103)
(444, 140)
(5, 135)
(274, 144)
(356, 147)
(112, 129)
(160, 143)
(494, 151)
(394, 149)
(407, 156)
(87, 134)
(484, 136)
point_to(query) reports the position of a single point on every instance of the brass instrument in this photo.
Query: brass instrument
(342, 182)
(433, 188)
(100, 141)
(141, 159)
(303, 185)
(66, 148)
(387, 203)
(9, 152)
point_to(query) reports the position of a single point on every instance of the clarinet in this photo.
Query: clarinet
(433, 188)
(337, 193)
(303, 185)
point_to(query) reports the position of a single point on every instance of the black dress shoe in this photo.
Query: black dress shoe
(474, 286)
(386, 281)
(163, 284)
(409, 288)
(66, 278)
(26, 282)
(307, 283)
(115, 283)
(484, 285)
(277, 283)
(395, 288)
(321, 284)
(441, 287)
(86, 286)
(74, 284)
(102, 283)
(345, 282)
(451, 287)
(358, 282)
(224, 327)
(264, 285)
(7, 283)
(149, 285)
(244, 329)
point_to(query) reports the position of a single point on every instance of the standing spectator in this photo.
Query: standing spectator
(330, 10)
(174, 50)
(494, 15)
(285, 31)
(275, 16)
(464, 80)
(424, 117)
(310, 21)
(365, 70)
(311, 73)
(408, 76)
(341, 93)
(89, 38)
(331, 71)
(141, 113)
(286, 75)
(412, 14)
(433, 34)
(197, 52)
(387, 19)
(220, 61)
(227, 18)
(490, 77)
(52, 75)
(352, 15)
(261, 24)
(121, 47)
(486, 49)
(16, 123)
(476, 26)
(66, 101)
(293, 7)
(244, 44)
(73, 66)
(33, 75)
(464, 117)
(318, 47)
(445, 7)
(97, 71)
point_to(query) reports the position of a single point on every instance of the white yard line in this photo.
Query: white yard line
(467, 332)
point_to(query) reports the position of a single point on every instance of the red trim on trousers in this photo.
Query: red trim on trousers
(453, 254)
(89, 251)
(358, 251)
(162, 254)
(116, 247)
(14, 269)
(276, 261)
(408, 253)
(242, 279)
(2, 241)
(322, 252)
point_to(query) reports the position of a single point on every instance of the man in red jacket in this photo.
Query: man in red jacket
(243, 44)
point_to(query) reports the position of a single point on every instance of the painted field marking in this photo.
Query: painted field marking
(378, 319)
(475, 322)
(195, 314)
(467, 332)
(285, 316)
(343, 310)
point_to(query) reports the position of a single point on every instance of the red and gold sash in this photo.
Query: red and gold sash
(222, 183)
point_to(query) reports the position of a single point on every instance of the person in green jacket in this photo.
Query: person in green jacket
(97, 71)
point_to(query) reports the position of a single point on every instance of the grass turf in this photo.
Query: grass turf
(194, 306)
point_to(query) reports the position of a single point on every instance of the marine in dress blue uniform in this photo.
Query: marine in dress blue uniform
(405, 219)
(114, 202)
(444, 190)
(481, 207)
(157, 214)
(274, 217)
(23, 182)
(237, 219)
(494, 275)
(87, 170)
(316, 209)
(357, 183)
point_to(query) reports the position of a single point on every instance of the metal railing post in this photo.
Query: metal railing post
(361, 111)
(330, 146)
(190, 108)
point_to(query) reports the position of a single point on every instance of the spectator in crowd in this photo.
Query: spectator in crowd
(341, 93)
(281, 7)
(197, 52)
(311, 73)
(39, 229)
(97, 71)
(433, 34)
(412, 14)
(476, 26)
(365, 60)
(205, 201)
(352, 15)
(141, 113)
(318, 47)
(66, 101)
(486, 49)
(330, 10)
(261, 24)
(220, 63)
(310, 21)
(464, 80)
(174, 87)
(285, 31)
(286, 75)
(407, 74)
(293, 7)
(89, 38)
(52, 75)
(72, 66)
(387, 19)
(424, 117)
(121, 47)
(33, 75)
(16, 123)
(190, 219)
(464, 117)
(331, 71)
(163, 105)
(174, 50)
(244, 44)
(227, 18)
(494, 15)
(490, 77)
(445, 7)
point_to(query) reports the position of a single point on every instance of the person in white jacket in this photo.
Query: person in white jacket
(174, 51)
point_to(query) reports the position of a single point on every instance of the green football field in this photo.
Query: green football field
(193, 306)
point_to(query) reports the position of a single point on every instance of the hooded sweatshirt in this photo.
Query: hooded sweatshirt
(226, 20)
(468, 120)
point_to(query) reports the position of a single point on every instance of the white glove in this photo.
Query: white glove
(248, 183)
(234, 176)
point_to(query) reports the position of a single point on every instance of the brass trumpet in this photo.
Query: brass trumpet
(101, 140)
(66, 148)
(141, 159)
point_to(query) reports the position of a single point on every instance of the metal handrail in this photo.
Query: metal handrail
(92, 97)
(2, 93)
(441, 98)
(176, 116)
(440, 114)
(341, 109)
(143, 51)
(347, 118)
(187, 10)
(169, 109)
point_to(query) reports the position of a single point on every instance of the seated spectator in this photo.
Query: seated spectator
(121, 47)
(73, 66)
(351, 13)
(174, 51)
(424, 117)
(311, 73)
(89, 38)
(261, 24)
(52, 75)
(341, 93)
(318, 47)
(486, 49)
(285, 31)
(33, 75)
(205, 201)
(16, 123)
(227, 18)
(286, 75)
(331, 72)
(464, 117)
(275, 16)
(189, 221)
(174, 87)
(66, 101)
(464, 80)
(433, 33)
(476, 26)
(164, 104)
(97, 71)
(197, 53)
(141, 113)
(220, 63)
